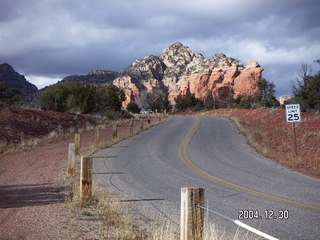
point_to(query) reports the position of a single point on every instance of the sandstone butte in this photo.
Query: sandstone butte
(180, 71)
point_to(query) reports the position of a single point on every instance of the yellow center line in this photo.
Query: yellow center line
(191, 166)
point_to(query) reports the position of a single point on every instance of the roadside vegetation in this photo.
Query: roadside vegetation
(262, 120)
(267, 130)
(271, 135)
(8, 95)
(263, 98)
(156, 101)
(22, 129)
(83, 99)
(306, 89)
(106, 216)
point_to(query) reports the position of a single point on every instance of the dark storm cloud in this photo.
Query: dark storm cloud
(55, 38)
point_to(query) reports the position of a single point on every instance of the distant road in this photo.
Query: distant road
(150, 169)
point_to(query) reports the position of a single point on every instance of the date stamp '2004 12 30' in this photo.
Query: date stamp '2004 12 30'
(266, 214)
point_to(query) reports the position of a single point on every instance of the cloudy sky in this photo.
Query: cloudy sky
(46, 40)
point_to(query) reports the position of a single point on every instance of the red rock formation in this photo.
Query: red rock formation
(180, 71)
(206, 85)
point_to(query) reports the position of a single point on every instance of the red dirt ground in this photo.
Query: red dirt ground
(269, 132)
(20, 125)
(32, 188)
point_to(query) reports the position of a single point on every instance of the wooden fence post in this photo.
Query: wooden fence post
(97, 138)
(71, 159)
(77, 142)
(86, 179)
(141, 123)
(192, 217)
(115, 130)
(131, 127)
(155, 116)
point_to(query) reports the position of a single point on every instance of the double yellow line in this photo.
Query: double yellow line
(191, 166)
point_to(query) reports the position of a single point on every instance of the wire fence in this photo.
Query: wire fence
(190, 204)
(240, 224)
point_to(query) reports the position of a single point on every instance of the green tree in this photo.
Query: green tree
(9, 95)
(265, 96)
(55, 98)
(243, 102)
(307, 89)
(158, 100)
(155, 100)
(184, 102)
(133, 107)
(225, 97)
(209, 103)
(110, 98)
(81, 98)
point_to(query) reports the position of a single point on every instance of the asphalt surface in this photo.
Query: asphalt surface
(149, 170)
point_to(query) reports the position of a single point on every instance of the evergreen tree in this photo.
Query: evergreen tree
(307, 89)
(9, 95)
(265, 96)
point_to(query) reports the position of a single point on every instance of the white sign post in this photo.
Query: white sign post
(293, 115)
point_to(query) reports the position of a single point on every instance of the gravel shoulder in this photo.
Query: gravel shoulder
(33, 193)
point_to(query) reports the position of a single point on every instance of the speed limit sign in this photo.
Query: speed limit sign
(293, 113)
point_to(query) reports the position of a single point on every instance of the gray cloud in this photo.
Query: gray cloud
(55, 38)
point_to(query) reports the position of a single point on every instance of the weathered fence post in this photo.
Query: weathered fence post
(141, 123)
(85, 179)
(115, 130)
(71, 159)
(77, 142)
(192, 217)
(131, 127)
(97, 138)
(149, 121)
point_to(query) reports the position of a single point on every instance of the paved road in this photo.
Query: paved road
(149, 169)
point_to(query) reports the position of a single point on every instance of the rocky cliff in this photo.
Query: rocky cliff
(99, 78)
(14, 80)
(180, 71)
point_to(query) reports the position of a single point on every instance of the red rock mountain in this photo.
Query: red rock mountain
(179, 71)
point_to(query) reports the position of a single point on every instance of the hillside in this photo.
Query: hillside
(99, 78)
(27, 126)
(14, 80)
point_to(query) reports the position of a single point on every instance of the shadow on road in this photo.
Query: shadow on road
(103, 173)
(16, 196)
(143, 200)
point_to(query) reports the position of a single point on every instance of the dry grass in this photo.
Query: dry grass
(273, 137)
(113, 219)
(169, 231)
(165, 230)
(31, 143)
(105, 215)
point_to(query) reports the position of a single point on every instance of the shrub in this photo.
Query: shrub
(307, 89)
(133, 107)
(9, 95)
(81, 98)
(183, 102)
(117, 114)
